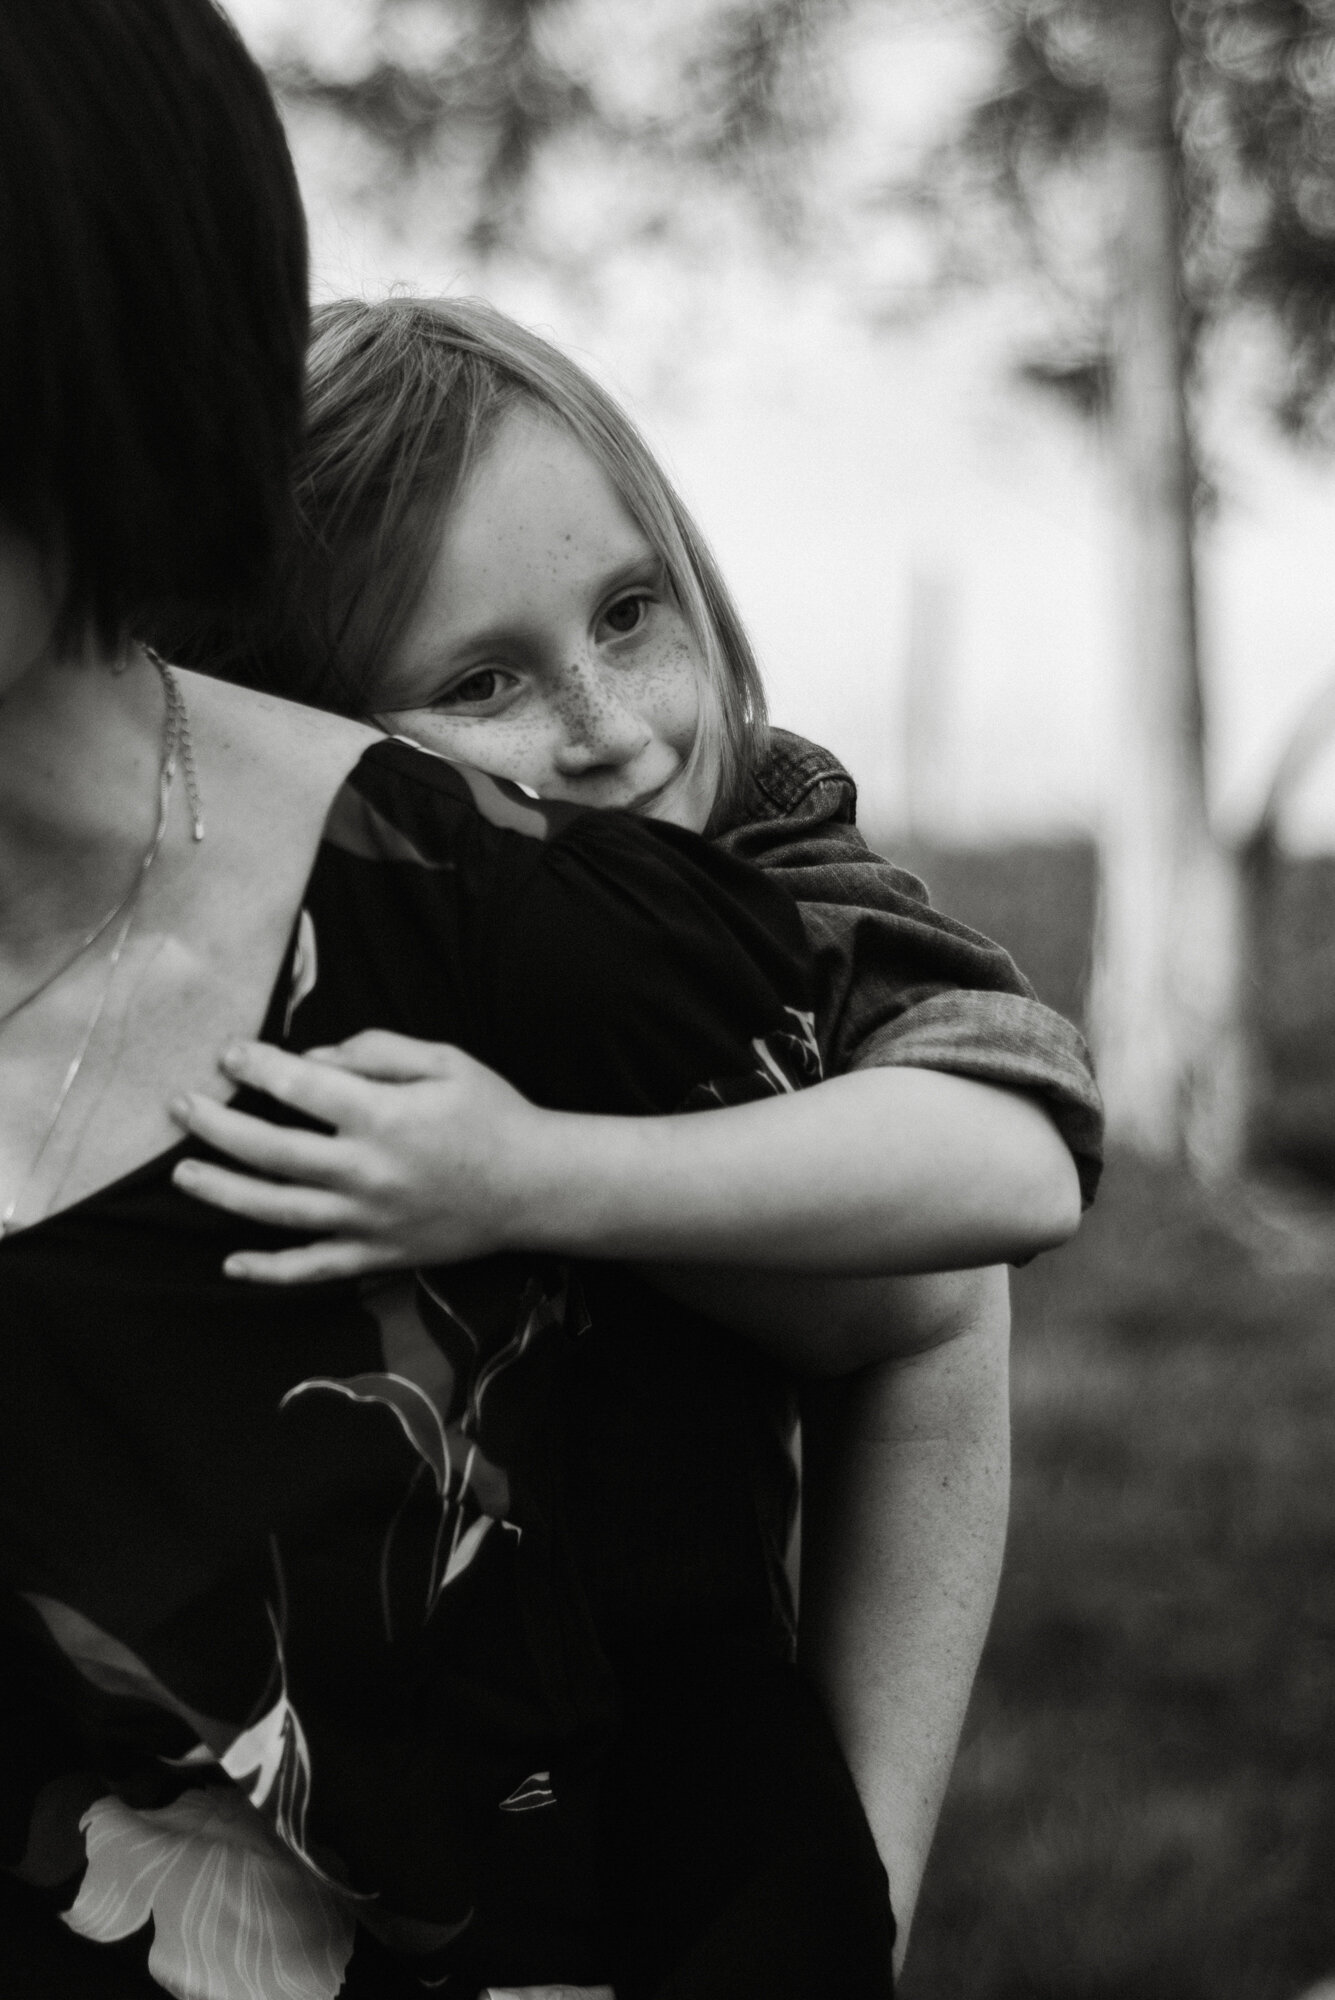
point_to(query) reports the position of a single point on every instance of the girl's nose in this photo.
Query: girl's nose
(597, 727)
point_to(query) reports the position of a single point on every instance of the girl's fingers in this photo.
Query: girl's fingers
(283, 1207)
(282, 1151)
(385, 1057)
(311, 1264)
(320, 1089)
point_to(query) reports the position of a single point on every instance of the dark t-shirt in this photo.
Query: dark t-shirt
(285, 1573)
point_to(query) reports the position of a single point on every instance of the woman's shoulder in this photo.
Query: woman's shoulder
(323, 762)
(285, 770)
(263, 735)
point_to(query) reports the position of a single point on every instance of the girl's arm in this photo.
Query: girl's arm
(433, 1158)
(905, 1482)
(905, 1473)
(905, 1457)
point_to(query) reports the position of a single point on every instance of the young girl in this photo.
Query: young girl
(493, 563)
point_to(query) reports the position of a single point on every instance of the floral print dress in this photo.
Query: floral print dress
(299, 1690)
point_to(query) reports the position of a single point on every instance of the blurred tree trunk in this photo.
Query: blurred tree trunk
(1164, 1003)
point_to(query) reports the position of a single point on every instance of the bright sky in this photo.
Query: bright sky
(859, 484)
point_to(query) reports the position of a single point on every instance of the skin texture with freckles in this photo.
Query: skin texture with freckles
(548, 647)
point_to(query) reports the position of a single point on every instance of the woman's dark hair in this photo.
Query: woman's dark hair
(153, 308)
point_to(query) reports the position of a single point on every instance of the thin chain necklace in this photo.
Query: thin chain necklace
(175, 742)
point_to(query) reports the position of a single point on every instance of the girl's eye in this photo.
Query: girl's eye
(627, 615)
(477, 689)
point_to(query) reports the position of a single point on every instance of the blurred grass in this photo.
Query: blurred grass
(1145, 1801)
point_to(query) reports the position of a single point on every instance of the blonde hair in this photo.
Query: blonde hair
(402, 398)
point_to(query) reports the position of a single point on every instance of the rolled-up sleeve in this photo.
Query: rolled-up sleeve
(1007, 1039)
(899, 983)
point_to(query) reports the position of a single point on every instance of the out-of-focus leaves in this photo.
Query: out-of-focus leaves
(1009, 188)
(1255, 125)
(735, 97)
(492, 90)
(1051, 100)
(1082, 381)
(1269, 65)
(507, 84)
(742, 82)
(747, 91)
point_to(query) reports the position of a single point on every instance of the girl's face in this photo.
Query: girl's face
(548, 647)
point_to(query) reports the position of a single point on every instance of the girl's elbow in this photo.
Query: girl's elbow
(1052, 1205)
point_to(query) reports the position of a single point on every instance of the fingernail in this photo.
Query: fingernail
(180, 1109)
(185, 1173)
(232, 1056)
(235, 1267)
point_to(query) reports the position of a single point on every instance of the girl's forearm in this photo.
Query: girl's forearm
(905, 1486)
(883, 1171)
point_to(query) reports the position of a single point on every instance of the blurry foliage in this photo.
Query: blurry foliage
(1256, 131)
(682, 97)
(483, 92)
(1145, 1801)
(489, 84)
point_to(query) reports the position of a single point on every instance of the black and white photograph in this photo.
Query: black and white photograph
(667, 999)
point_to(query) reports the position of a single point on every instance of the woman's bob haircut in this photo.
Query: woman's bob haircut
(153, 309)
(403, 396)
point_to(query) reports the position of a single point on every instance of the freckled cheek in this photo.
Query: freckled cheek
(669, 695)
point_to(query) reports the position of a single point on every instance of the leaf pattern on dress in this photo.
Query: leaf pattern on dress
(269, 1759)
(799, 1047)
(242, 1909)
(438, 1408)
(531, 1795)
(271, 1762)
(107, 1663)
(459, 1471)
(787, 1059)
(358, 827)
(235, 1916)
(541, 1308)
(305, 968)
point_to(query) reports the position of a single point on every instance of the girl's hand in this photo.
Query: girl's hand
(424, 1163)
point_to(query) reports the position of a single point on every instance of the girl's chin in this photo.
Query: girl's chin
(674, 802)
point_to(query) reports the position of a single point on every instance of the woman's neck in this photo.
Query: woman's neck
(80, 747)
